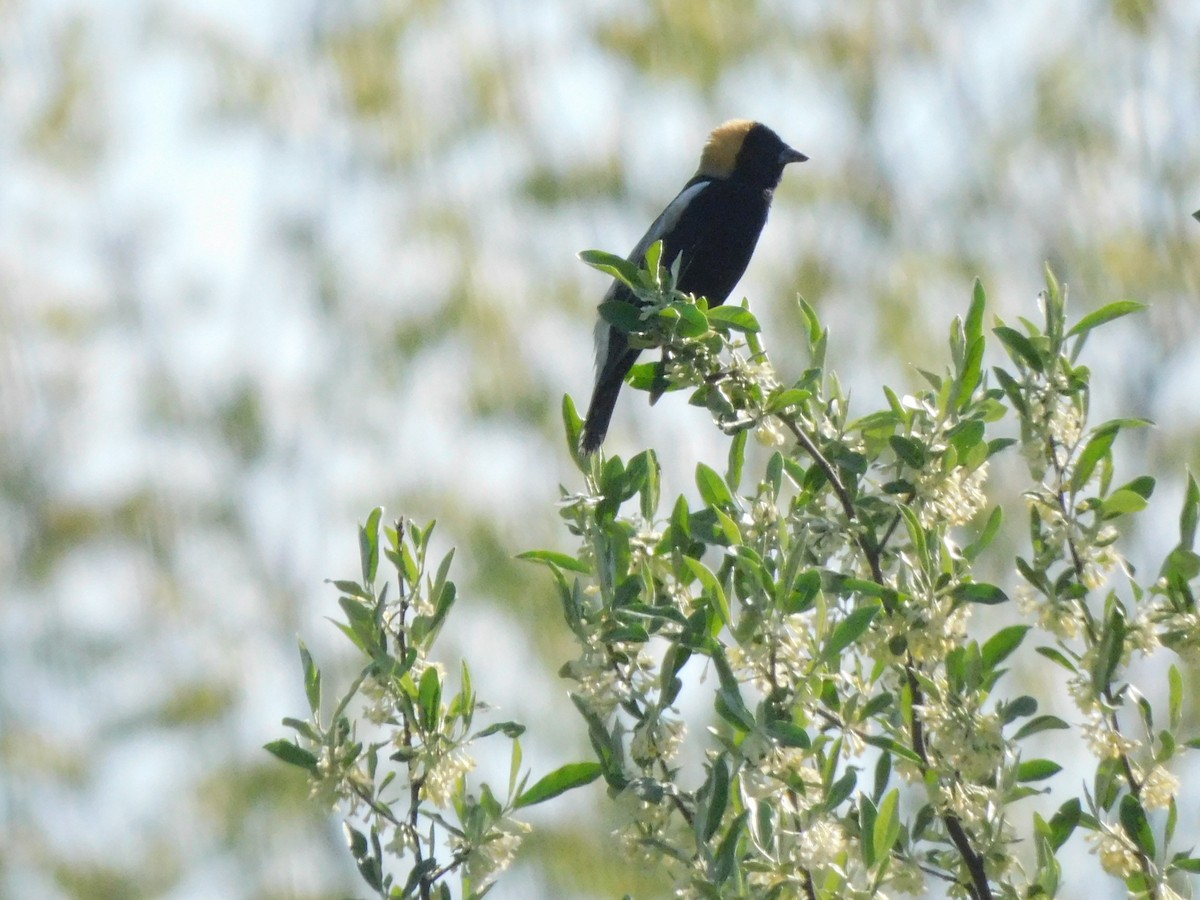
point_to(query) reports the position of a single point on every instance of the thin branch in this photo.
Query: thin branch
(980, 888)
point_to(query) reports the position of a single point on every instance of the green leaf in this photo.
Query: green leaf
(1097, 448)
(1143, 486)
(292, 755)
(622, 315)
(887, 825)
(611, 264)
(1037, 770)
(782, 399)
(1021, 706)
(1190, 514)
(368, 546)
(1105, 314)
(978, 592)
(573, 428)
(312, 679)
(1003, 643)
(990, 529)
(1122, 501)
(718, 798)
(735, 318)
(1057, 656)
(971, 374)
(1133, 820)
(1064, 821)
(429, 698)
(1041, 723)
(909, 451)
(509, 729)
(1020, 348)
(848, 631)
(691, 322)
(737, 459)
(553, 558)
(1175, 696)
(712, 587)
(712, 487)
(561, 780)
(973, 327)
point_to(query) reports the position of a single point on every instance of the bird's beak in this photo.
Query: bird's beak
(788, 155)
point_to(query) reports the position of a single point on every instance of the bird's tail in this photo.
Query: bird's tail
(599, 414)
(604, 401)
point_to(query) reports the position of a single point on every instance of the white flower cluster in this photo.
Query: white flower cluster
(954, 497)
(486, 859)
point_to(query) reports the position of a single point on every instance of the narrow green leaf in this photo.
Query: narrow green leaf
(712, 588)
(887, 825)
(867, 817)
(292, 755)
(737, 459)
(971, 373)
(841, 789)
(1041, 723)
(1097, 448)
(611, 264)
(1105, 314)
(848, 631)
(1002, 643)
(1037, 770)
(735, 318)
(1020, 348)
(973, 327)
(978, 592)
(1175, 696)
(1133, 820)
(712, 487)
(429, 697)
(1057, 656)
(312, 679)
(573, 428)
(368, 546)
(718, 798)
(508, 729)
(561, 780)
(1190, 514)
(553, 558)
(990, 529)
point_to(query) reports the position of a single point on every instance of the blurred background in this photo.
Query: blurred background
(266, 265)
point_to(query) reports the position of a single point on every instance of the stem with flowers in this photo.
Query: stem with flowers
(825, 595)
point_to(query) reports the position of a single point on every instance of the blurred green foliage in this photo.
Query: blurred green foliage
(249, 260)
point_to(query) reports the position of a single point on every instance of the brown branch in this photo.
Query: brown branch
(979, 888)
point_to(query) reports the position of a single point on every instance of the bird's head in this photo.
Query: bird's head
(746, 151)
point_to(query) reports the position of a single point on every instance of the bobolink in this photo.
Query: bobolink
(714, 223)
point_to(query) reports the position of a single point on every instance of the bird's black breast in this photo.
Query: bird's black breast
(716, 236)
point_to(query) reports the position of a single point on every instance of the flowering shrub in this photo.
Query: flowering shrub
(864, 745)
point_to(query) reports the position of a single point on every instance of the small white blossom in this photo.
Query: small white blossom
(954, 497)
(495, 852)
(1104, 741)
(1159, 788)
(1117, 856)
(443, 775)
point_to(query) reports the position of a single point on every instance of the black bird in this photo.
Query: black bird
(714, 223)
